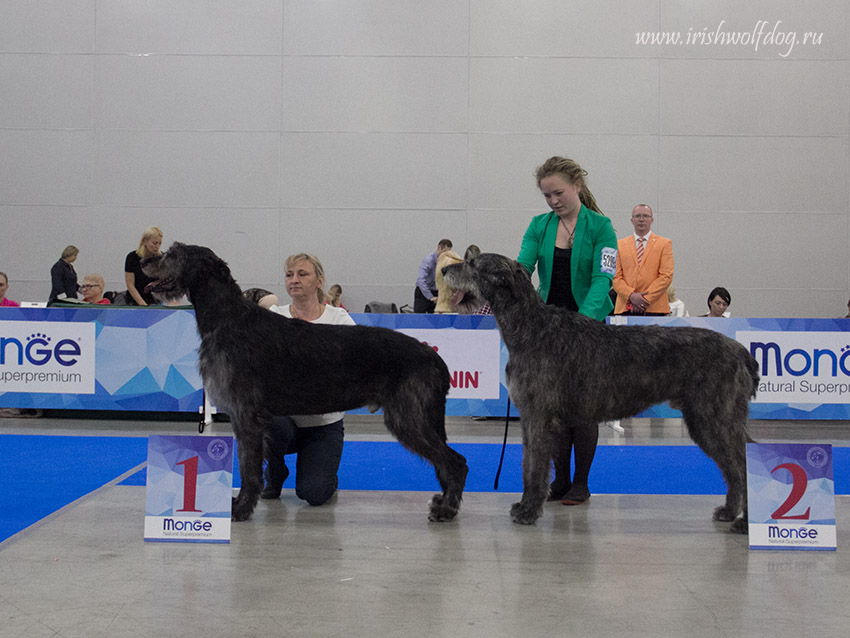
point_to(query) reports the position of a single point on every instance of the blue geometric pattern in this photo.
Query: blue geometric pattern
(145, 359)
(729, 327)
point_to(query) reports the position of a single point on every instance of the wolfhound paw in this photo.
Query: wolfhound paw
(524, 515)
(440, 512)
(740, 526)
(240, 511)
(722, 514)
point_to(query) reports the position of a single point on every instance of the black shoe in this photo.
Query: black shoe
(558, 489)
(577, 495)
(270, 492)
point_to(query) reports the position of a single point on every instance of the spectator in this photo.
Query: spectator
(92, 289)
(263, 298)
(425, 295)
(444, 303)
(4, 286)
(644, 269)
(719, 300)
(136, 279)
(63, 277)
(334, 294)
(677, 306)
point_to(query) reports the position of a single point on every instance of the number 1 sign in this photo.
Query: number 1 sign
(791, 496)
(189, 489)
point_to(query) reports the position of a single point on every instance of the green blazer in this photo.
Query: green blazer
(593, 262)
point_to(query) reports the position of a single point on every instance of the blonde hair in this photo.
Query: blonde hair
(95, 279)
(317, 266)
(334, 293)
(70, 251)
(2, 274)
(153, 231)
(574, 173)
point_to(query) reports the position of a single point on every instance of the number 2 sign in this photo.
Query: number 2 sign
(189, 489)
(791, 496)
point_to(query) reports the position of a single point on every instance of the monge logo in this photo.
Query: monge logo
(44, 356)
(40, 351)
(800, 367)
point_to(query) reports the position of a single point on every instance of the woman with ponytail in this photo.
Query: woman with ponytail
(575, 249)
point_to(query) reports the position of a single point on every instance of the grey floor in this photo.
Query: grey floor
(370, 564)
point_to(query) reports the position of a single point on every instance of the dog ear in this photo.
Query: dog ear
(519, 268)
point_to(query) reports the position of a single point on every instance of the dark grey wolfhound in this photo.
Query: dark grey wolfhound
(256, 364)
(566, 370)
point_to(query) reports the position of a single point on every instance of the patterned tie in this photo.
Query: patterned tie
(640, 250)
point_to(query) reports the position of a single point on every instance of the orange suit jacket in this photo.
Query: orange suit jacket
(653, 276)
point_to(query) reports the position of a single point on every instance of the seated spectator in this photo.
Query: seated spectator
(63, 277)
(847, 316)
(719, 300)
(677, 306)
(261, 297)
(92, 289)
(4, 286)
(334, 293)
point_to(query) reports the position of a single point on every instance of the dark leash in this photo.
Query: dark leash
(504, 445)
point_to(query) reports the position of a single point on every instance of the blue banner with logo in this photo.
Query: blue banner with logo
(129, 359)
(804, 364)
(101, 358)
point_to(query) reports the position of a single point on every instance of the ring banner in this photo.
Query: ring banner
(791, 496)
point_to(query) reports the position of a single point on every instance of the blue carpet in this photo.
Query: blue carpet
(40, 474)
(617, 469)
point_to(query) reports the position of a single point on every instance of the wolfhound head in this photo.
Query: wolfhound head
(183, 270)
(485, 278)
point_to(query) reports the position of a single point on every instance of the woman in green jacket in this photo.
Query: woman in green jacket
(575, 249)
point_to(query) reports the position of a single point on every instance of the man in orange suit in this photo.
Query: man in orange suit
(644, 269)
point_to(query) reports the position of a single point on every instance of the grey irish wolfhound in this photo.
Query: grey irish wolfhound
(566, 370)
(256, 364)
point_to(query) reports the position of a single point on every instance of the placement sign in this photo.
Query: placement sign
(791, 496)
(189, 489)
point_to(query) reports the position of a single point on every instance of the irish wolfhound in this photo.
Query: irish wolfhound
(256, 364)
(566, 370)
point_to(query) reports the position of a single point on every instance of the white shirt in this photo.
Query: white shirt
(331, 316)
(645, 238)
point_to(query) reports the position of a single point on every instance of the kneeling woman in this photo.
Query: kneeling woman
(316, 439)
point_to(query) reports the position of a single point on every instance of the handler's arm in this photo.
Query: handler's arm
(130, 280)
(529, 249)
(597, 303)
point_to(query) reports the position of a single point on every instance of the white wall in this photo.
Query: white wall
(366, 130)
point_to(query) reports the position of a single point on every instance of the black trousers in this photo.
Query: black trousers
(421, 304)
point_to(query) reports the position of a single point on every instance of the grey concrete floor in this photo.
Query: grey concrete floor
(370, 564)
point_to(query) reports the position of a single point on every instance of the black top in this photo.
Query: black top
(561, 290)
(133, 264)
(63, 279)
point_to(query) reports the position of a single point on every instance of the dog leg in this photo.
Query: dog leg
(249, 443)
(536, 456)
(419, 425)
(723, 439)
